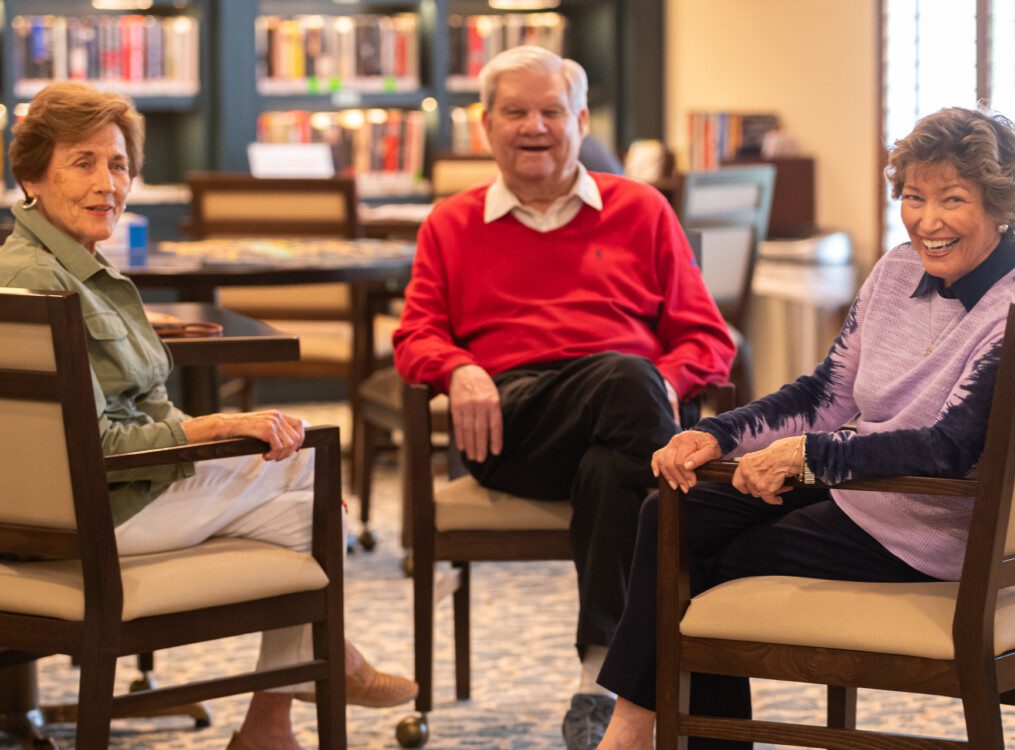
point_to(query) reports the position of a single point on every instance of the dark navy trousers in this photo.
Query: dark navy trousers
(584, 430)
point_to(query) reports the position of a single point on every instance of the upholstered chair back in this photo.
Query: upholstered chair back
(34, 460)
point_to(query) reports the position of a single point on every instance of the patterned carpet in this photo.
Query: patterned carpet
(524, 668)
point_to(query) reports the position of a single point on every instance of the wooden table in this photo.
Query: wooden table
(195, 270)
(243, 339)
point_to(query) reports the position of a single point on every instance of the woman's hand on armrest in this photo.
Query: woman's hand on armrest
(686, 451)
(280, 431)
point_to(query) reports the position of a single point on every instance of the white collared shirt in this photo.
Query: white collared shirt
(500, 200)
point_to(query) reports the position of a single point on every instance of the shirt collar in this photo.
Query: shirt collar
(500, 200)
(970, 288)
(72, 254)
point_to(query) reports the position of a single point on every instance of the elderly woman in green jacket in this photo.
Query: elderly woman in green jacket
(74, 155)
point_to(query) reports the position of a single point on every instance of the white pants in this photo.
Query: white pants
(245, 497)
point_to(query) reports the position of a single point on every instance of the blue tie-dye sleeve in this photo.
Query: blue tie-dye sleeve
(822, 400)
(948, 448)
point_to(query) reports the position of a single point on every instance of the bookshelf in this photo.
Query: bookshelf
(158, 56)
(619, 42)
(206, 121)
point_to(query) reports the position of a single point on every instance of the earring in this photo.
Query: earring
(32, 202)
(1002, 228)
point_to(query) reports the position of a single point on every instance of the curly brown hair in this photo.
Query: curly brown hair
(68, 112)
(978, 144)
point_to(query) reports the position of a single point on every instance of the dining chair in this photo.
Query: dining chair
(63, 587)
(730, 207)
(461, 523)
(345, 333)
(453, 173)
(953, 639)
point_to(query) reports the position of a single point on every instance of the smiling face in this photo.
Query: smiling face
(533, 133)
(85, 186)
(946, 221)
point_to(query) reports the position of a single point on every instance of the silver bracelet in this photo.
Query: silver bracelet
(806, 475)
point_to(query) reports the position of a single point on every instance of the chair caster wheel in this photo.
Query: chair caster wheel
(407, 566)
(367, 540)
(413, 731)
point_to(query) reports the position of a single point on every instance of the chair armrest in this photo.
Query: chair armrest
(192, 452)
(722, 471)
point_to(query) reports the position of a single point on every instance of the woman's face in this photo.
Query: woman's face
(84, 189)
(946, 221)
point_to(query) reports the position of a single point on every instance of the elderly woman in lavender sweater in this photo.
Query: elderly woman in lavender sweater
(914, 365)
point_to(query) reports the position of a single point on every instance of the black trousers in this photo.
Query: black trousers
(735, 536)
(584, 430)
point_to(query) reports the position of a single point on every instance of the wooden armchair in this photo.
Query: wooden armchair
(463, 523)
(72, 594)
(950, 639)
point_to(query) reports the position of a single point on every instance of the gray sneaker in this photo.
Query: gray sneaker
(585, 722)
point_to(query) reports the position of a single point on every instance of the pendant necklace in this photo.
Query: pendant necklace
(931, 338)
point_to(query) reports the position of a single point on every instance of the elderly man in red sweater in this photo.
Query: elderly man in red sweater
(564, 314)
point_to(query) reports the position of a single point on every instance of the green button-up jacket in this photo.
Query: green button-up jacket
(129, 362)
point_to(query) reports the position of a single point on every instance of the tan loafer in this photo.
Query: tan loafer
(366, 686)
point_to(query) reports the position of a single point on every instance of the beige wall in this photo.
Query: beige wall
(810, 61)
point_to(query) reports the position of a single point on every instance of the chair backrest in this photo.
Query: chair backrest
(452, 173)
(241, 205)
(730, 207)
(989, 564)
(50, 455)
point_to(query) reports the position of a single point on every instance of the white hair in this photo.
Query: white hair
(535, 60)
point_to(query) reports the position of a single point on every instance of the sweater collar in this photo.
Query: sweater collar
(500, 200)
(970, 288)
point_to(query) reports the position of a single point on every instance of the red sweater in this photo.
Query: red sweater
(501, 295)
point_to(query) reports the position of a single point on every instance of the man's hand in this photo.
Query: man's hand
(686, 451)
(475, 412)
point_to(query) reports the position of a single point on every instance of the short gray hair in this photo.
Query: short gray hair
(535, 60)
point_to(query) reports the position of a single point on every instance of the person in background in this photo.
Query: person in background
(914, 366)
(563, 312)
(74, 156)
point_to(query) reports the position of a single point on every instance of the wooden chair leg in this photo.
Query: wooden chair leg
(423, 607)
(460, 604)
(841, 707)
(248, 395)
(364, 456)
(982, 709)
(95, 697)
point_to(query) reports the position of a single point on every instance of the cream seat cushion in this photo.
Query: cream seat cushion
(220, 571)
(463, 504)
(910, 619)
(331, 340)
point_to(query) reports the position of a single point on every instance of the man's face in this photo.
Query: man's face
(533, 133)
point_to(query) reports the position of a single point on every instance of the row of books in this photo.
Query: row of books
(136, 53)
(714, 136)
(316, 54)
(371, 140)
(475, 39)
(468, 136)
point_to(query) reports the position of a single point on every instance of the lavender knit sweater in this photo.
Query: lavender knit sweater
(916, 412)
